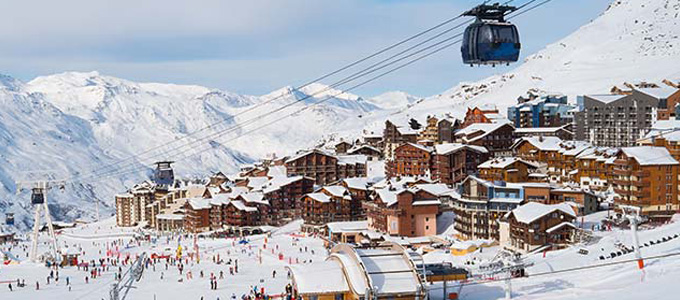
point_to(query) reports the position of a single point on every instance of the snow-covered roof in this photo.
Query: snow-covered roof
(254, 197)
(305, 153)
(357, 183)
(359, 147)
(547, 143)
(448, 148)
(606, 98)
(503, 162)
(319, 278)
(529, 130)
(558, 226)
(257, 182)
(388, 196)
(389, 271)
(199, 203)
(242, 206)
(533, 211)
(319, 197)
(421, 147)
(649, 155)
(486, 128)
(426, 202)
(437, 189)
(352, 159)
(169, 217)
(662, 92)
(335, 190)
(350, 226)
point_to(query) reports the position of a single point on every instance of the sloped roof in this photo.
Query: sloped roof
(448, 148)
(437, 189)
(606, 98)
(548, 143)
(485, 127)
(648, 155)
(199, 203)
(662, 92)
(336, 190)
(241, 206)
(533, 211)
(503, 162)
(319, 197)
(357, 183)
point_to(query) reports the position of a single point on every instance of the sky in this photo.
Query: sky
(255, 46)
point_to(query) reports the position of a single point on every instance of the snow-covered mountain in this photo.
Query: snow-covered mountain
(77, 122)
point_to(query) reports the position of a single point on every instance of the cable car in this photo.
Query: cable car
(9, 219)
(490, 40)
(37, 196)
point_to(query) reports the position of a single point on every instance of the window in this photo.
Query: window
(339, 296)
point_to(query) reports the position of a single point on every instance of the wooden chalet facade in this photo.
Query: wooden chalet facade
(497, 138)
(507, 169)
(534, 225)
(197, 215)
(325, 168)
(647, 177)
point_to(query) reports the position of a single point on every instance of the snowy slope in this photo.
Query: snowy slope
(632, 40)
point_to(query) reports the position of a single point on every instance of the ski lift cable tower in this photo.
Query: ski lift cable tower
(633, 215)
(39, 202)
(39, 182)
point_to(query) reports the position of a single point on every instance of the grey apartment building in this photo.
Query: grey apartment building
(617, 120)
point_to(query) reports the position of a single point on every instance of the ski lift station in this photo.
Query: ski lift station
(387, 271)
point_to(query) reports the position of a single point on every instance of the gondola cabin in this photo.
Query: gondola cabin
(490, 40)
(37, 196)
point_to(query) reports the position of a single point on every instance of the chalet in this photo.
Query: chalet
(478, 115)
(257, 201)
(545, 150)
(583, 201)
(508, 169)
(396, 134)
(452, 162)
(374, 140)
(357, 188)
(342, 147)
(438, 130)
(647, 177)
(325, 168)
(595, 168)
(497, 138)
(481, 204)
(369, 151)
(330, 204)
(197, 215)
(410, 160)
(534, 225)
(351, 166)
(561, 132)
(402, 211)
(283, 194)
(238, 214)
